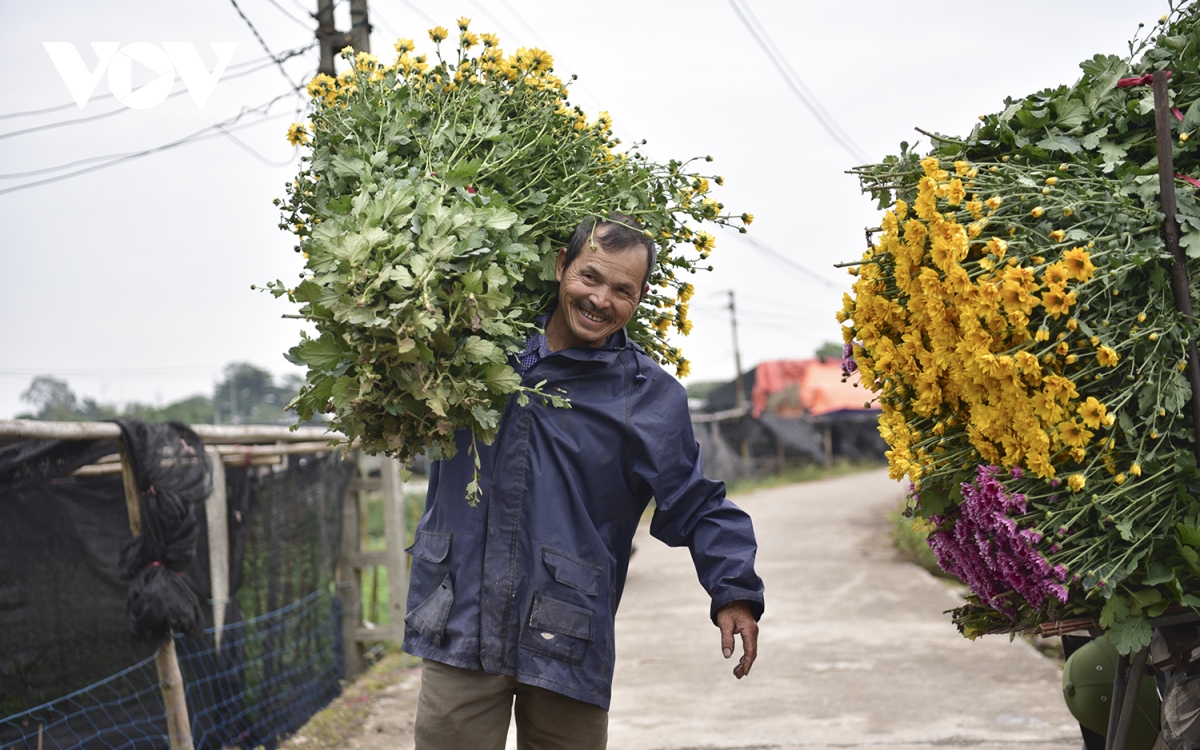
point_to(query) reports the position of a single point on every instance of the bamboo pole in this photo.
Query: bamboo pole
(1133, 685)
(217, 515)
(1179, 279)
(30, 429)
(170, 680)
(1118, 700)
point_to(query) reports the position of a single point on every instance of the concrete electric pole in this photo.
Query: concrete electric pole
(332, 41)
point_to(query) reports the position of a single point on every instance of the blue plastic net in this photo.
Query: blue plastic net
(269, 676)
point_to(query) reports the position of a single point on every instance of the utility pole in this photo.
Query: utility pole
(360, 27)
(739, 387)
(740, 398)
(332, 41)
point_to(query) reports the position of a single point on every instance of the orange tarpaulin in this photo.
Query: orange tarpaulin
(791, 388)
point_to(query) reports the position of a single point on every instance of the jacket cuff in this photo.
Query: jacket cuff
(753, 598)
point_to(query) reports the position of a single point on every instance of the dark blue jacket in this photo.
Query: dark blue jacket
(527, 582)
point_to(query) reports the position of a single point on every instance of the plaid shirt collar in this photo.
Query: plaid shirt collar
(536, 348)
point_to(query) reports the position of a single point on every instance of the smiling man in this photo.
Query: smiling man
(512, 602)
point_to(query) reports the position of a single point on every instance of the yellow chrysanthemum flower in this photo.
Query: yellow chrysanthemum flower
(1079, 264)
(1037, 212)
(404, 46)
(438, 34)
(464, 23)
(994, 202)
(1058, 235)
(1057, 300)
(1076, 482)
(1106, 356)
(956, 192)
(747, 219)
(489, 40)
(297, 135)
(1093, 413)
(1135, 469)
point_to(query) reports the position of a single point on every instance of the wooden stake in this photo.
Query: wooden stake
(170, 680)
(1179, 279)
(349, 581)
(393, 525)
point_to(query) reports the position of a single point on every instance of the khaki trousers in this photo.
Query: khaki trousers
(461, 709)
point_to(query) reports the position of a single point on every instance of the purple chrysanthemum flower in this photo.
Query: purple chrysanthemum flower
(848, 364)
(981, 544)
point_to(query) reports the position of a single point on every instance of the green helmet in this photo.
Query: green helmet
(1087, 685)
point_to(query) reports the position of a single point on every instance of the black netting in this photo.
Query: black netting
(65, 648)
(171, 471)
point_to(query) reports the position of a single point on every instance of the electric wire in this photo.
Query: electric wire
(59, 107)
(216, 128)
(419, 12)
(499, 25)
(119, 110)
(289, 15)
(794, 82)
(784, 259)
(378, 16)
(262, 41)
(255, 153)
(299, 5)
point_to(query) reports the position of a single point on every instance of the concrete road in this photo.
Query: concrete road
(855, 649)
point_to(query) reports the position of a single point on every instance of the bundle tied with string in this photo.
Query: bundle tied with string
(172, 474)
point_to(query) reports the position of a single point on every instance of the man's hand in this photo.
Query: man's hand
(736, 618)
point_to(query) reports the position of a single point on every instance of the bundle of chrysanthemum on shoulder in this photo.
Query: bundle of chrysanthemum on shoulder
(1016, 321)
(429, 209)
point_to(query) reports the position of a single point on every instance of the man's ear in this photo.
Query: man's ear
(561, 265)
(645, 291)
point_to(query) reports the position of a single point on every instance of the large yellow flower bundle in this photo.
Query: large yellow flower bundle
(1015, 319)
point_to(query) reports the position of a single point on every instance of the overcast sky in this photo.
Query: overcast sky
(132, 282)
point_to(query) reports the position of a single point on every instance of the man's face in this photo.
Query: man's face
(597, 295)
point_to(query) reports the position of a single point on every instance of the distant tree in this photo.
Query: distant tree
(52, 398)
(829, 350)
(196, 409)
(249, 395)
(701, 389)
(246, 395)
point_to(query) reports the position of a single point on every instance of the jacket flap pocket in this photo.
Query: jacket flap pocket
(430, 616)
(571, 572)
(560, 617)
(430, 545)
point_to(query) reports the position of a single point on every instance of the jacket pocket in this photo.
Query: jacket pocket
(571, 572)
(429, 618)
(557, 629)
(430, 587)
(433, 546)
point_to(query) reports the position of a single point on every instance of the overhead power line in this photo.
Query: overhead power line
(216, 129)
(283, 56)
(419, 12)
(795, 83)
(787, 261)
(263, 42)
(289, 15)
(120, 110)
